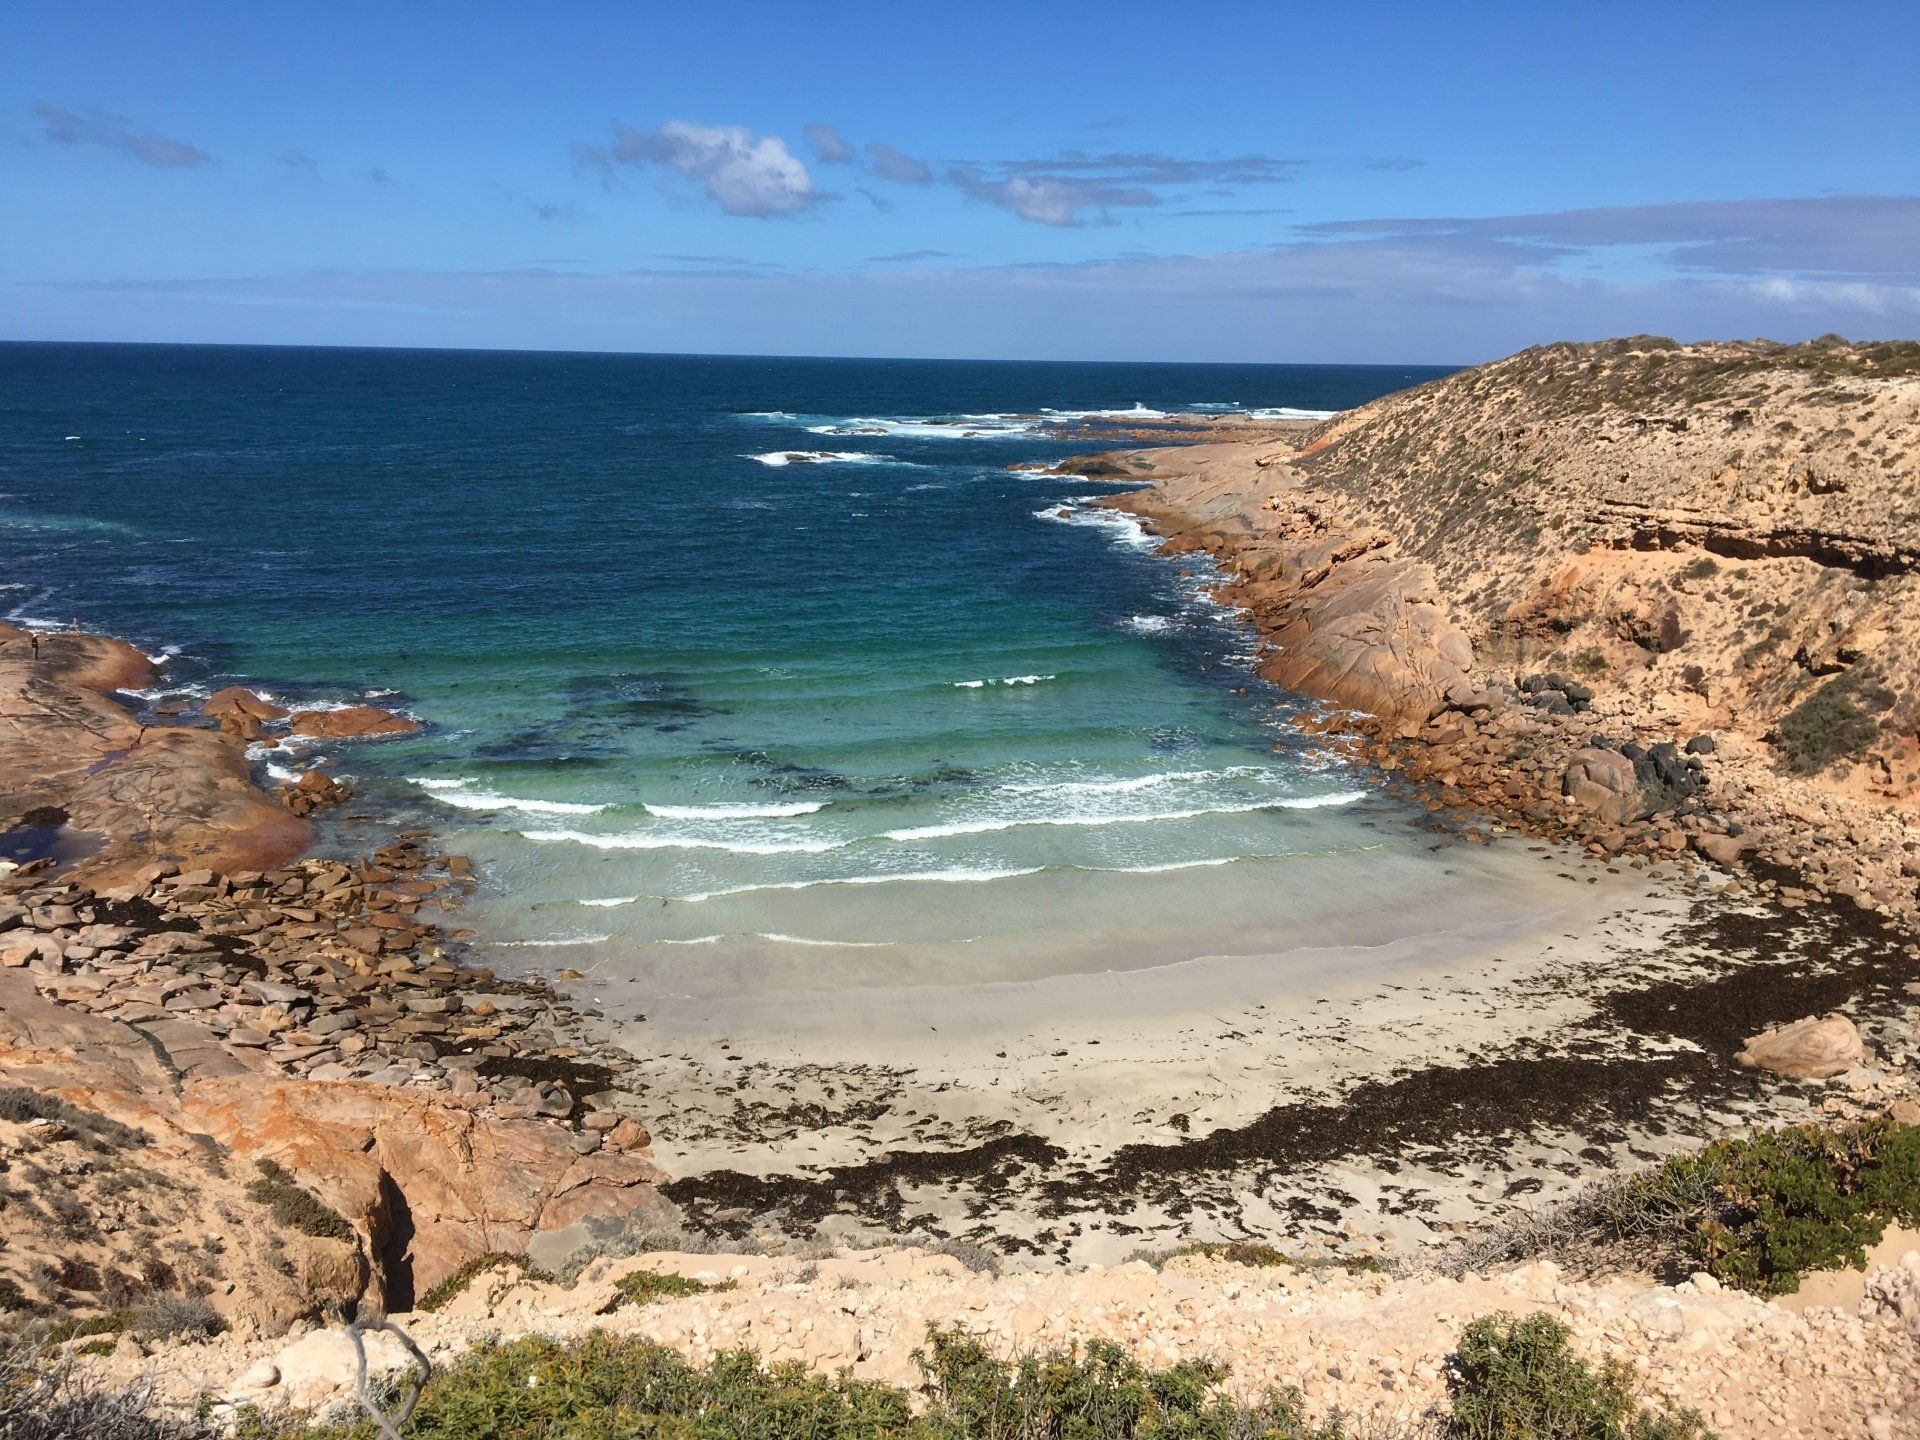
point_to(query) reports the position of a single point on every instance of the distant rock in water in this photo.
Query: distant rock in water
(355, 722)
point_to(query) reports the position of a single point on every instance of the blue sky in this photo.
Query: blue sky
(1335, 182)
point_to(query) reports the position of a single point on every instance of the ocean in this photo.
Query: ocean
(736, 672)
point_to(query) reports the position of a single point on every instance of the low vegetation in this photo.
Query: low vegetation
(1836, 722)
(295, 1208)
(1520, 1380)
(1260, 1256)
(1513, 1379)
(460, 1280)
(1756, 1213)
(643, 1287)
(21, 1106)
(1760, 1213)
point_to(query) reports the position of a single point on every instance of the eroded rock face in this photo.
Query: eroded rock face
(355, 722)
(1816, 1048)
(430, 1182)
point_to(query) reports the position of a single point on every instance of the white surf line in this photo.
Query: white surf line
(981, 827)
(746, 810)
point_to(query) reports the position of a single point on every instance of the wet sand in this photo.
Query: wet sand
(1368, 1091)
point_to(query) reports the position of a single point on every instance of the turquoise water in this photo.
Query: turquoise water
(729, 666)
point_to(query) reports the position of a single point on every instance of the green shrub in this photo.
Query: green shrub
(58, 1332)
(1759, 1213)
(1834, 723)
(1519, 1380)
(295, 1208)
(1096, 1392)
(457, 1283)
(603, 1387)
(643, 1287)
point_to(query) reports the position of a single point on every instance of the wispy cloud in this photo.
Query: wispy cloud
(119, 134)
(909, 255)
(1052, 200)
(743, 173)
(1146, 167)
(537, 208)
(1079, 187)
(1443, 298)
(1823, 235)
(891, 164)
(827, 144)
(299, 160)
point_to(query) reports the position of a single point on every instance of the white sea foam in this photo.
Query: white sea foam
(1011, 822)
(1149, 624)
(456, 793)
(965, 427)
(1136, 411)
(1004, 680)
(1129, 783)
(654, 840)
(1289, 412)
(543, 944)
(748, 811)
(162, 692)
(612, 902)
(933, 877)
(1128, 530)
(1174, 865)
(281, 772)
(768, 415)
(781, 939)
(808, 940)
(779, 458)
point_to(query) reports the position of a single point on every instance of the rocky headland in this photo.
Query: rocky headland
(1656, 600)
(194, 1025)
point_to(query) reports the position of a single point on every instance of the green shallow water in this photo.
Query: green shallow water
(701, 709)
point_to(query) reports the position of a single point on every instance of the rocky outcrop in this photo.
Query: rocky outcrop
(308, 1017)
(1536, 580)
(352, 722)
(126, 794)
(166, 965)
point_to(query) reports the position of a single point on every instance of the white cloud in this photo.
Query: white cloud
(743, 173)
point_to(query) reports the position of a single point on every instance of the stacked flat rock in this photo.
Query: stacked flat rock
(325, 970)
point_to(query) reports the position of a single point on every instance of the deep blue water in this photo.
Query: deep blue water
(655, 667)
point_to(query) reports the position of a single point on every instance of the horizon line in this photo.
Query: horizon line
(740, 354)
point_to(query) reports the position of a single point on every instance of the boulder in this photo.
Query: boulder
(240, 703)
(1603, 783)
(318, 1369)
(1816, 1048)
(313, 790)
(355, 722)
